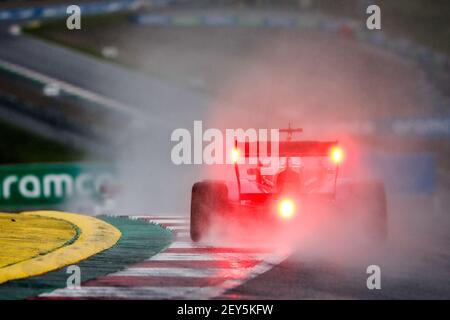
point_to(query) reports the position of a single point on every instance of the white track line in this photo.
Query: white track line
(180, 272)
(207, 256)
(127, 293)
(184, 235)
(177, 221)
(177, 228)
(162, 217)
(188, 245)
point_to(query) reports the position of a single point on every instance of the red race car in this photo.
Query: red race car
(303, 182)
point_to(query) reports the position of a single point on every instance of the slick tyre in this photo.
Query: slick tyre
(208, 199)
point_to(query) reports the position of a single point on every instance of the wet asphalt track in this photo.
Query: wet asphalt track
(414, 263)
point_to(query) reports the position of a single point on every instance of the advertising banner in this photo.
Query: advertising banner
(49, 185)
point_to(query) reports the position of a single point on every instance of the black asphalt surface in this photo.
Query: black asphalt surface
(414, 262)
(294, 279)
(124, 85)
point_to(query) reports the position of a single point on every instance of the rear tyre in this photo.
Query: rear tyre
(208, 199)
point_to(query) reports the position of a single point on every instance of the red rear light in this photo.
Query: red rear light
(337, 154)
(235, 155)
(286, 208)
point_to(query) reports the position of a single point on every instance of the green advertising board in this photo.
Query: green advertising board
(51, 185)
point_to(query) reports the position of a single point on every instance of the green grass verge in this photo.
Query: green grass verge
(140, 240)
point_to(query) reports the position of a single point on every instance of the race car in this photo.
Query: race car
(304, 182)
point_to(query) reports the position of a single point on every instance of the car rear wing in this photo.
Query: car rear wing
(286, 148)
